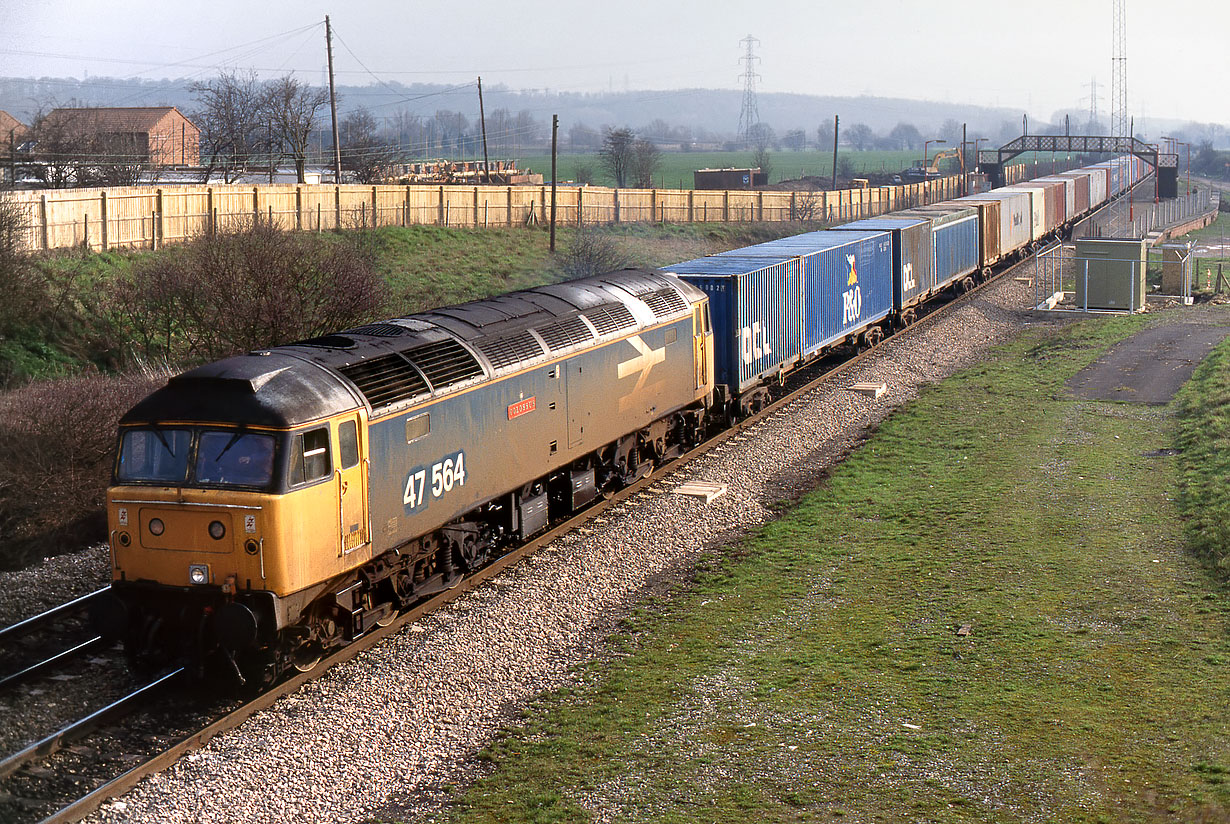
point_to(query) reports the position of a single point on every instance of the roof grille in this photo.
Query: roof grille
(565, 333)
(610, 318)
(380, 330)
(385, 379)
(445, 363)
(665, 302)
(510, 349)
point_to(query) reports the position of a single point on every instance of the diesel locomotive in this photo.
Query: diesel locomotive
(273, 505)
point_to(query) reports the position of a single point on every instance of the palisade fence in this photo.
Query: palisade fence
(145, 217)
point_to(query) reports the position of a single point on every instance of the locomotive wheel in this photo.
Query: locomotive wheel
(307, 656)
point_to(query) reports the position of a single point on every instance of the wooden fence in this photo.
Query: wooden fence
(145, 217)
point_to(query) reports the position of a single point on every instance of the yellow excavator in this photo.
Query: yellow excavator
(930, 172)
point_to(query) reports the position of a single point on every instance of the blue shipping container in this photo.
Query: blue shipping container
(776, 302)
(954, 235)
(913, 255)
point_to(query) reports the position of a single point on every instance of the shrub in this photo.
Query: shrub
(57, 442)
(591, 252)
(251, 287)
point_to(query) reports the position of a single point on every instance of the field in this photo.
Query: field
(989, 613)
(675, 171)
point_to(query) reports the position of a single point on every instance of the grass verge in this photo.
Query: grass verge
(1204, 461)
(987, 614)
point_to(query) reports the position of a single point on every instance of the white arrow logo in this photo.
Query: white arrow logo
(642, 363)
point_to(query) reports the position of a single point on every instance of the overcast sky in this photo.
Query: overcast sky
(1036, 56)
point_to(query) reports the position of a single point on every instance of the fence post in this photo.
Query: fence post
(508, 221)
(794, 212)
(103, 217)
(653, 205)
(760, 206)
(580, 207)
(46, 232)
(337, 208)
(440, 208)
(616, 205)
(256, 204)
(405, 212)
(209, 210)
(726, 206)
(319, 211)
(375, 211)
(299, 208)
(160, 233)
(691, 206)
(475, 207)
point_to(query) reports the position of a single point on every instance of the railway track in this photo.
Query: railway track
(24, 645)
(802, 382)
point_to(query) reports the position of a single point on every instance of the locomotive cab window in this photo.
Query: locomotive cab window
(234, 458)
(154, 455)
(348, 443)
(309, 456)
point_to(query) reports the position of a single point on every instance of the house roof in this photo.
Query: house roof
(133, 119)
(8, 123)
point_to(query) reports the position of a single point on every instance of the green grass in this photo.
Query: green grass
(815, 673)
(675, 171)
(1204, 463)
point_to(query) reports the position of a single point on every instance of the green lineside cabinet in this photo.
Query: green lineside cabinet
(1110, 273)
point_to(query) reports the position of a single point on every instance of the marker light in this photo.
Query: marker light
(216, 530)
(156, 526)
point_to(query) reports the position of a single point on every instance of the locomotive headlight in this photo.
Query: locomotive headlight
(216, 530)
(156, 526)
(198, 573)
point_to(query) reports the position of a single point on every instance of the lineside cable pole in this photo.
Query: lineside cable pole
(554, 153)
(482, 119)
(337, 148)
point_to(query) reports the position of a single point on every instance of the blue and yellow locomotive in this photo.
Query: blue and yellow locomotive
(273, 505)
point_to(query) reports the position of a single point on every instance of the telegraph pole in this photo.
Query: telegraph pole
(482, 118)
(836, 122)
(554, 151)
(337, 149)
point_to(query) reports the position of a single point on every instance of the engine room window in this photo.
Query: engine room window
(672, 335)
(234, 458)
(348, 443)
(417, 427)
(309, 457)
(154, 455)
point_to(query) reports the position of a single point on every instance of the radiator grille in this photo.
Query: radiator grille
(565, 333)
(665, 302)
(610, 318)
(380, 330)
(445, 363)
(510, 349)
(386, 379)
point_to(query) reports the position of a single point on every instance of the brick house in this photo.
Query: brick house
(160, 135)
(11, 129)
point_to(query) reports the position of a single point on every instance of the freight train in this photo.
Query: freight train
(272, 506)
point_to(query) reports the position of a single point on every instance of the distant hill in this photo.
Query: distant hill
(711, 114)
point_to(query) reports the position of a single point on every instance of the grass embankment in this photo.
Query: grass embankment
(820, 671)
(1204, 462)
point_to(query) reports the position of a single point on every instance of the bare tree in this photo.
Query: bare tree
(232, 122)
(860, 136)
(364, 154)
(904, 137)
(59, 148)
(617, 154)
(760, 159)
(646, 158)
(292, 109)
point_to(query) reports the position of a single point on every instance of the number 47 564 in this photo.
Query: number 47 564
(445, 474)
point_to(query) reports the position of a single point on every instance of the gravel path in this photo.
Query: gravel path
(382, 735)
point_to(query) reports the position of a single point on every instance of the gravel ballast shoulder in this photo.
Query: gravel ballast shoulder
(383, 733)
